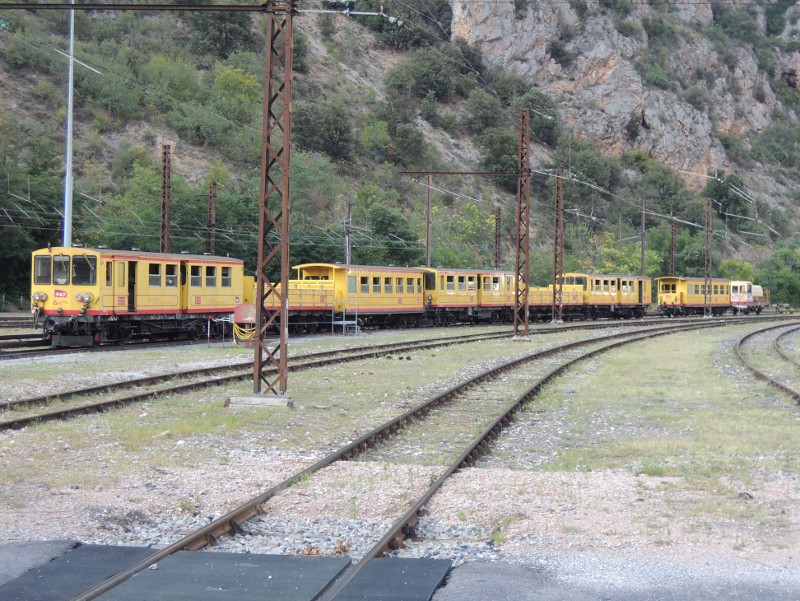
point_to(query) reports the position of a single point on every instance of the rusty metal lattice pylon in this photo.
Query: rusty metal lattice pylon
(558, 251)
(165, 192)
(521, 287)
(273, 217)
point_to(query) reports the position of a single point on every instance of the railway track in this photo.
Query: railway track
(780, 373)
(30, 346)
(72, 403)
(480, 433)
(150, 387)
(15, 322)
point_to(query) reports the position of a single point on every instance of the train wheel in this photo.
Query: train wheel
(193, 333)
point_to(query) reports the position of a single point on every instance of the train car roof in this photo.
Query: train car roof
(466, 271)
(349, 266)
(606, 275)
(691, 277)
(136, 253)
(403, 269)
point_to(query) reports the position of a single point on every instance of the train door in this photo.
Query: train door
(132, 286)
(183, 289)
(640, 292)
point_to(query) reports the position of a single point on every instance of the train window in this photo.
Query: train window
(451, 284)
(84, 270)
(352, 284)
(387, 285)
(42, 267)
(376, 285)
(109, 273)
(462, 283)
(410, 285)
(496, 283)
(508, 284)
(398, 285)
(605, 285)
(364, 285)
(471, 284)
(598, 286)
(172, 276)
(197, 277)
(419, 285)
(61, 269)
(211, 276)
(155, 275)
(225, 275)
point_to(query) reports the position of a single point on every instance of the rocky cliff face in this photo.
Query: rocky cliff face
(603, 96)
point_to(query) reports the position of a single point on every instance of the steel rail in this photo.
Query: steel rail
(480, 446)
(777, 345)
(330, 357)
(761, 375)
(231, 521)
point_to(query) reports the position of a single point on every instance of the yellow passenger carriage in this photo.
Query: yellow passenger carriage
(370, 295)
(616, 296)
(469, 295)
(687, 295)
(86, 296)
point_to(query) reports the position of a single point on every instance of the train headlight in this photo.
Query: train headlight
(39, 296)
(85, 297)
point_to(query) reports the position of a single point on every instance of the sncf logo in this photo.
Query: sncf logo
(60, 293)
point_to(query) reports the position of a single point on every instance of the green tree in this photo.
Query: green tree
(324, 127)
(422, 72)
(392, 231)
(499, 154)
(220, 33)
(237, 94)
(726, 190)
(483, 110)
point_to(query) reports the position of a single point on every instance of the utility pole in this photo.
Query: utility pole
(558, 252)
(212, 216)
(348, 232)
(428, 222)
(522, 267)
(707, 311)
(644, 239)
(497, 215)
(672, 246)
(67, 235)
(165, 190)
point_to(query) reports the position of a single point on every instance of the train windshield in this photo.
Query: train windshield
(84, 270)
(61, 269)
(42, 269)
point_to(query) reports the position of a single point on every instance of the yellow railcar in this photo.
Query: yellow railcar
(371, 295)
(616, 296)
(469, 295)
(687, 295)
(86, 296)
(540, 300)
